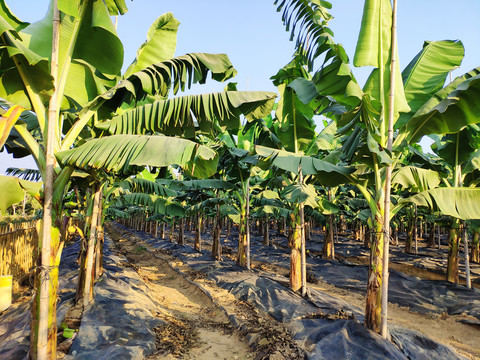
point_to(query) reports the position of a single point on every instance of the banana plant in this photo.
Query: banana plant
(202, 196)
(459, 154)
(71, 74)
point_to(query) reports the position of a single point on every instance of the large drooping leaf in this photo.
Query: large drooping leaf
(375, 35)
(156, 204)
(207, 205)
(448, 110)
(461, 203)
(14, 189)
(326, 173)
(137, 185)
(426, 73)
(184, 115)
(97, 42)
(416, 179)
(25, 174)
(122, 153)
(325, 140)
(158, 79)
(200, 184)
(160, 45)
(307, 22)
(230, 211)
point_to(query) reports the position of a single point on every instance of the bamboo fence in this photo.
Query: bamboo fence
(17, 226)
(18, 252)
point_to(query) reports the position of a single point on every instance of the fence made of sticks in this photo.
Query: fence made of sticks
(18, 253)
(12, 226)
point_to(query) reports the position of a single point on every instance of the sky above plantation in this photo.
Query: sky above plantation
(252, 34)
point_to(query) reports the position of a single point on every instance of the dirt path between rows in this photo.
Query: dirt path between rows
(197, 326)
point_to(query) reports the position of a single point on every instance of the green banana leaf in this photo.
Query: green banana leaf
(374, 49)
(427, 72)
(300, 193)
(25, 174)
(448, 111)
(96, 48)
(160, 45)
(156, 204)
(122, 153)
(326, 173)
(137, 185)
(10, 17)
(14, 190)
(295, 127)
(34, 67)
(307, 22)
(457, 149)
(183, 115)
(461, 203)
(160, 78)
(416, 179)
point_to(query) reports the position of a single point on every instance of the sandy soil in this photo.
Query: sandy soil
(198, 326)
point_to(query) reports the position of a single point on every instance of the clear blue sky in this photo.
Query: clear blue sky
(252, 34)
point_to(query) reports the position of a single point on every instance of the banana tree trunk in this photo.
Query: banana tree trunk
(266, 232)
(243, 254)
(181, 239)
(100, 241)
(88, 288)
(82, 256)
(474, 254)
(229, 227)
(465, 251)
(410, 235)
(431, 235)
(162, 230)
(198, 233)
(217, 230)
(415, 230)
(242, 239)
(46, 283)
(453, 247)
(373, 307)
(328, 251)
(172, 230)
(43, 327)
(295, 249)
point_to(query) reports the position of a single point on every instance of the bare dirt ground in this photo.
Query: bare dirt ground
(197, 326)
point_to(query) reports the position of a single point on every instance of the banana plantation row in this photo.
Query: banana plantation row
(126, 143)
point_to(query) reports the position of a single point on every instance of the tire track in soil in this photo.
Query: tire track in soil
(199, 326)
